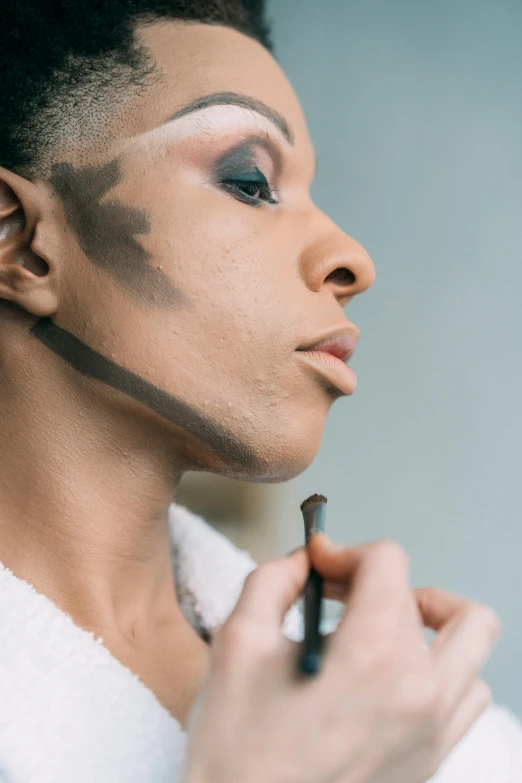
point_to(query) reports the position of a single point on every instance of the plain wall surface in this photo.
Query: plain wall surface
(415, 111)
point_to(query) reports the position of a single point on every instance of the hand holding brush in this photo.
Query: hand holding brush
(362, 717)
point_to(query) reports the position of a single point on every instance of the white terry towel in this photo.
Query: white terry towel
(70, 712)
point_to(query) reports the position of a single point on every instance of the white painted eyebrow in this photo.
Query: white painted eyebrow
(223, 111)
(216, 116)
(236, 99)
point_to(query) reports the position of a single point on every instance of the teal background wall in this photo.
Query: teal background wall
(415, 110)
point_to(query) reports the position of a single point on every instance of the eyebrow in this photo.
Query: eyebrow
(235, 99)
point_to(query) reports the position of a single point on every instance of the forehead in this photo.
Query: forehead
(196, 60)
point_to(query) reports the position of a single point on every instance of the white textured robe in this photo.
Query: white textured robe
(70, 712)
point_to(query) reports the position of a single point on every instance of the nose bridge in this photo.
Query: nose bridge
(331, 257)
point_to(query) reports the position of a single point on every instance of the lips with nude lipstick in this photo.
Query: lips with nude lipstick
(329, 357)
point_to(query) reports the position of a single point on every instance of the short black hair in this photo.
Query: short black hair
(65, 62)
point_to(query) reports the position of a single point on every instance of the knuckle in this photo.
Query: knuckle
(421, 700)
(426, 598)
(257, 579)
(488, 619)
(223, 640)
(483, 693)
(430, 699)
(378, 659)
(383, 653)
(388, 550)
(257, 576)
(435, 752)
(268, 572)
(479, 699)
(221, 653)
(434, 764)
(231, 638)
(244, 640)
(235, 634)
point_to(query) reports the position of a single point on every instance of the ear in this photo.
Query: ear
(26, 278)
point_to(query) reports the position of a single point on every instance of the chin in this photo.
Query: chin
(283, 455)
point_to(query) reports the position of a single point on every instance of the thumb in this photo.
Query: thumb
(272, 588)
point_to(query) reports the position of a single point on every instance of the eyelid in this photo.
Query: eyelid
(256, 175)
(247, 147)
(267, 143)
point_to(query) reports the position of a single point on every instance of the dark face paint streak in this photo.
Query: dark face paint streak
(105, 231)
(92, 364)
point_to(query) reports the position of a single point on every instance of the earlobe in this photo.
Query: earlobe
(24, 275)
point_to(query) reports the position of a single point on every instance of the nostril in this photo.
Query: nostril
(341, 276)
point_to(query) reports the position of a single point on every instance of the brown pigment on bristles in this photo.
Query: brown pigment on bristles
(313, 499)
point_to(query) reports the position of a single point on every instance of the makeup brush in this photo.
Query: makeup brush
(314, 514)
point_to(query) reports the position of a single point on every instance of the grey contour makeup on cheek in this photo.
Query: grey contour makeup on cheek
(106, 230)
(92, 364)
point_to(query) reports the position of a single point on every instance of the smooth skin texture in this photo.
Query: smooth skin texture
(155, 288)
(213, 294)
(385, 708)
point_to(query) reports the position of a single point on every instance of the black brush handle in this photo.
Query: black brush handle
(310, 659)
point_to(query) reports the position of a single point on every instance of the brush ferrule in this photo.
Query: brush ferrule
(314, 516)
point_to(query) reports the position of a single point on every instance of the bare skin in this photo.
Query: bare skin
(188, 306)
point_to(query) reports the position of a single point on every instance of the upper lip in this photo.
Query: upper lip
(340, 343)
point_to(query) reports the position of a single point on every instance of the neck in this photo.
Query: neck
(84, 501)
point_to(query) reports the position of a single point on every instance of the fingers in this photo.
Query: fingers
(343, 567)
(439, 607)
(467, 632)
(380, 604)
(462, 652)
(271, 589)
(475, 701)
(333, 561)
(373, 580)
(373, 566)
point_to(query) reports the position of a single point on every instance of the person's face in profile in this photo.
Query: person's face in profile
(190, 253)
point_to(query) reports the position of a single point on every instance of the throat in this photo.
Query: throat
(172, 666)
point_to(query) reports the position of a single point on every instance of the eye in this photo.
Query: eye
(252, 188)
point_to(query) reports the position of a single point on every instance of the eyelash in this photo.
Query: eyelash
(244, 189)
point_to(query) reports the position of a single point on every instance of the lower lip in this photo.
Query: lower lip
(333, 369)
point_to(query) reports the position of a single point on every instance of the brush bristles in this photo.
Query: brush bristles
(313, 499)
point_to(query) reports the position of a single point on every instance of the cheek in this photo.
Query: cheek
(225, 257)
(235, 336)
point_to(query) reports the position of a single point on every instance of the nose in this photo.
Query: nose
(333, 260)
